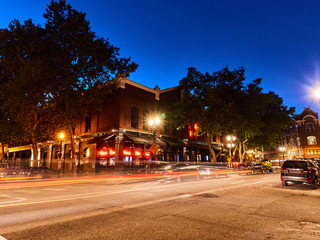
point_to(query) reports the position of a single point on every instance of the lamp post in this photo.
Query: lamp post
(282, 149)
(153, 123)
(230, 144)
(61, 137)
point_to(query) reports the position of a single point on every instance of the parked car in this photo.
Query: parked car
(300, 171)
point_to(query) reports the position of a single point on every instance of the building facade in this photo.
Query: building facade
(301, 139)
(119, 132)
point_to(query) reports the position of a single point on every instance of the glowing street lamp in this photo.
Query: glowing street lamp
(282, 149)
(154, 122)
(61, 137)
(230, 143)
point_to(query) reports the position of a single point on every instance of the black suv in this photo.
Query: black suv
(300, 171)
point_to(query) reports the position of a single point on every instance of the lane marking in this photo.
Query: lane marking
(238, 182)
(12, 201)
(112, 193)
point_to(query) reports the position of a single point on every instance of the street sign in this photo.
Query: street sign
(154, 148)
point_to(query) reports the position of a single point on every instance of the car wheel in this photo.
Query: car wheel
(315, 184)
(284, 183)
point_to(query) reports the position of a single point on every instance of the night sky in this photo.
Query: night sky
(278, 41)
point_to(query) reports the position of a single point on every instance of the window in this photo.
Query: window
(313, 151)
(312, 140)
(298, 142)
(145, 120)
(88, 123)
(134, 117)
(310, 127)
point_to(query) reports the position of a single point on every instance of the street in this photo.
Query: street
(237, 207)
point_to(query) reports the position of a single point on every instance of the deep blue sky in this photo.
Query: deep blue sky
(276, 40)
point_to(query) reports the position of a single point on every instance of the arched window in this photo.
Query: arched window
(145, 119)
(312, 140)
(134, 117)
(298, 141)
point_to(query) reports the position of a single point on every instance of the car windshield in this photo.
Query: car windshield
(295, 164)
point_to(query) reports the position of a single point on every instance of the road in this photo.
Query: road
(238, 207)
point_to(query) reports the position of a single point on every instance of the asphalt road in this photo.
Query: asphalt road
(239, 207)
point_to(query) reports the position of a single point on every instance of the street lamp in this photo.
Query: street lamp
(230, 144)
(282, 149)
(154, 122)
(61, 137)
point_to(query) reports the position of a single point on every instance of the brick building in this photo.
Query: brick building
(301, 139)
(120, 133)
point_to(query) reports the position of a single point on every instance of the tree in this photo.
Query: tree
(85, 65)
(48, 76)
(24, 83)
(221, 103)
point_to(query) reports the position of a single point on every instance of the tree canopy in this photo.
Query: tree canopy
(48, 75)
(222, 103)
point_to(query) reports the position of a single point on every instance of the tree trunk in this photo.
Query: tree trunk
(74, 155)
(213, 153)
(35, 151)
(242, 149)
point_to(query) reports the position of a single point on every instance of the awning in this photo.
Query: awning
(173, 142)
(100, 139)
(143, 139)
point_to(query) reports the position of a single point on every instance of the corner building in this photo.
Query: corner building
(119, 133)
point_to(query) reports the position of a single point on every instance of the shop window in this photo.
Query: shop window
(312, 140)
(134, 117)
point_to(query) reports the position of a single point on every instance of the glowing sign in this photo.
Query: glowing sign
(137, 153)
(126, 152)
(103, 153)
(112, 152)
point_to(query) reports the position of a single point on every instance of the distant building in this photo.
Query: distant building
(301, 139)
(120, 132)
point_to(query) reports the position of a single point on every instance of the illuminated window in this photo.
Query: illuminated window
(298, 141)
(134, 117)
(312, 140)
